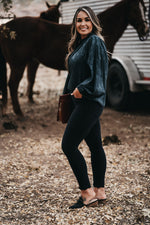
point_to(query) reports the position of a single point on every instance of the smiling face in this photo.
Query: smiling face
(84, 25)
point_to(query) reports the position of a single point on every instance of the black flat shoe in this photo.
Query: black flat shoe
(80, 204)
(102, 201)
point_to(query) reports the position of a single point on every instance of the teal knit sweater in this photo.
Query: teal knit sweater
(88, 68)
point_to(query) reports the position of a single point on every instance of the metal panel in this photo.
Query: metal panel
(128, 45)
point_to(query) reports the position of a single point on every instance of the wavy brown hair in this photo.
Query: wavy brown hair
(75, 36)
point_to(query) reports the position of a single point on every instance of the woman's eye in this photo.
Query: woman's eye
(79, 20)
(87, 19)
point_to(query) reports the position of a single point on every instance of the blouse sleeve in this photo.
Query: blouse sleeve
(97, 63)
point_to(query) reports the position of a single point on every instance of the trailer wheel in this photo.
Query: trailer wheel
(117, 86)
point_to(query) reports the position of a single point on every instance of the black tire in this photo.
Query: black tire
(117, 86)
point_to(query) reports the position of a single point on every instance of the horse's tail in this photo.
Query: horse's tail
(3, 80)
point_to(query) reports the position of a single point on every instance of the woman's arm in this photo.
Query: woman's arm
(97, 65)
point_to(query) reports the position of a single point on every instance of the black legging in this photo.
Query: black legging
(84, 124)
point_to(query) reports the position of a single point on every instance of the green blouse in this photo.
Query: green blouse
(88, 68)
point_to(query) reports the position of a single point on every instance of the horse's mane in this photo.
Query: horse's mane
(143, 4)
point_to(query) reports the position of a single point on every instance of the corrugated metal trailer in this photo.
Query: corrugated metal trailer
(131, 57)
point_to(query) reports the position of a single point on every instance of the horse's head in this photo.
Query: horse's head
(52, 14)
(137, 18)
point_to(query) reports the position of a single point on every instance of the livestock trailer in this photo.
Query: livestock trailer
(129, 69)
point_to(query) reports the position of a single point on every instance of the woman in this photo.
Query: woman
(87, 64)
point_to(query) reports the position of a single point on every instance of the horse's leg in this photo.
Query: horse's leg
(15, 77)
(31, 73)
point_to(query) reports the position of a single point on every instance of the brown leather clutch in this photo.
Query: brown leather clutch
(65, 108)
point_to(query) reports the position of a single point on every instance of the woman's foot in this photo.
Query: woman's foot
(100, 193)
(88, 195)
(87, 199)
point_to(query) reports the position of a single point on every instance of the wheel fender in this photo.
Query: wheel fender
(130, 69)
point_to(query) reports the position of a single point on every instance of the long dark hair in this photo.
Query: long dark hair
(75, 36)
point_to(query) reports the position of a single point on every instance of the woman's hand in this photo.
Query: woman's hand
(76, 93)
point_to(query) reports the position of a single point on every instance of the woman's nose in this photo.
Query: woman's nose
(83, 22)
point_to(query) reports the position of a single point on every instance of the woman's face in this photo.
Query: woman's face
(84, 25)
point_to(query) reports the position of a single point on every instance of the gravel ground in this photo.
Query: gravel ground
(37, 185)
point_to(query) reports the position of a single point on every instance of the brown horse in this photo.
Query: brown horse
(52, 14)
(116, 19)
(47, 42)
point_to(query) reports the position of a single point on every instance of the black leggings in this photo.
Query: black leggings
(84, 124)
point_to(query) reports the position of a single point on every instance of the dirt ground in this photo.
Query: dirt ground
(36, 183)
